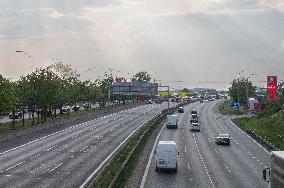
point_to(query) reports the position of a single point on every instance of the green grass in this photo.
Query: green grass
(270, 128)
(108, 173)
(226, 109)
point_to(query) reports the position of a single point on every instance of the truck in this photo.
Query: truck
(172, 121)
(275, 174)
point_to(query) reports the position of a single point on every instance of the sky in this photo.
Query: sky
(200, 43)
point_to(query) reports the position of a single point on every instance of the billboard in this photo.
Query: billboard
(271, 87)
(134, 88)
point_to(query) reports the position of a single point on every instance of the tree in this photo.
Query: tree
(241, 90)
(9, 99)
(142, 76)
(6, 92)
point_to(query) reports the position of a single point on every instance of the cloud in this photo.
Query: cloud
(202, 39)
(56, 14)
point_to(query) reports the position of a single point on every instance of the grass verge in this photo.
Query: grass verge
(106, 176)
(226, 109)
(270, 129)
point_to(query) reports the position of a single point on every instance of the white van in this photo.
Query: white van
(172, 121)
(166, 155)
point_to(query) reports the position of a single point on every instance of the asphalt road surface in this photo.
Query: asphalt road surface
(203, 163)
(66, 158)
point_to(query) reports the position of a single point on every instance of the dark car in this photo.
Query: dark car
(47, 113)
(222, 139)
(17, 115)
(180, 110)
(87, 105)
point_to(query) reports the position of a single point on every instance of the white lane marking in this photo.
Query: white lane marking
(15, 165)
(203, 162)
(110, 155)
(51, 148)
(35, 156)
(209, 140)
(23, 145)
(55, 167)
(84, 148)
(185, 149)
(228, 168)
(188, 166)
(150, 159)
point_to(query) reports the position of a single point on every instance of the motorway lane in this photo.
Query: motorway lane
(202, 163)
(67, 158)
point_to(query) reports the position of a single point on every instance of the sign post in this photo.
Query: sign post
(271, 87)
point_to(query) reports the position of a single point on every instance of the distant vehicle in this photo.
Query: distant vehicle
(150, 102)
(211, 99)
(86, 105)
(194, 115)
(172, 121)
(275, 174)
(158, 100)
(194, 126)
(166, 156)
(17, 115)
(193, 112)
(75, 108)
(40, 112)
(222, 139)
(180, 110)
(201, 100)
(205, 100)
(66, 108)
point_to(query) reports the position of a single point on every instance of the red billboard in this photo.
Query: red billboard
(271, 87)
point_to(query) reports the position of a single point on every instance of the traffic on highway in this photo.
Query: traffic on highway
(66, 158)
(218, 155)
(142, 94)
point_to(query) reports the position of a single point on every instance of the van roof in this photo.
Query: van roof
(167, 142)
(174, 115)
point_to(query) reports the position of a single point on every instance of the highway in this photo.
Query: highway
(203, 163)
(66, 158)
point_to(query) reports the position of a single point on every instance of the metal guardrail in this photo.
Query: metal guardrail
(266, 144)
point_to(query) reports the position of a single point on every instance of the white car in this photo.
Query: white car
(194, 127)
(166, 156)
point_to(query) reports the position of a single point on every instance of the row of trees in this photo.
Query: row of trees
(47, 89)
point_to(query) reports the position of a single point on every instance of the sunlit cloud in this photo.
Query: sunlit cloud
(215, 37)
(56, 14)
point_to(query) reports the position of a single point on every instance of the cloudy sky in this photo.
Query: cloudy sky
(195, 41)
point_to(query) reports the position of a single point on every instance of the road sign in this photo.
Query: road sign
(271, 87)
(235, 105)
(134, 88)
